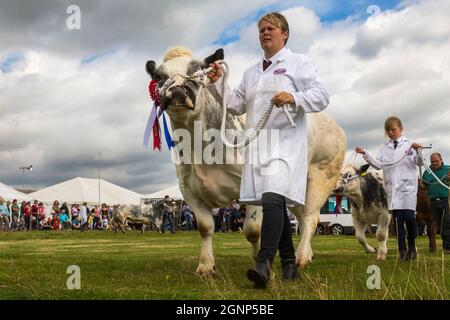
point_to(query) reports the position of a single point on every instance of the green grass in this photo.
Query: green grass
(155, 266)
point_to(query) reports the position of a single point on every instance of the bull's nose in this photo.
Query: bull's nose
(338, 190)
(179, 93)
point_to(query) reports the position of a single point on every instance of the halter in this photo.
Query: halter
(348, 178)
(158, 109)
(252, 133)
(200, 78)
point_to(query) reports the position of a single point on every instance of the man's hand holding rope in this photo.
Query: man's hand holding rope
(279, 99)
(215, 73)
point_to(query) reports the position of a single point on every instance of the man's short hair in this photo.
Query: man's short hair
(436, 154)
(278, 20)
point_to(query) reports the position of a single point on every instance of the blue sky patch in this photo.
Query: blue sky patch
(7, 65)
(94, 57)
(337, 10)
(340, 10)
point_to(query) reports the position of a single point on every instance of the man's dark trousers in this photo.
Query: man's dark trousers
(275, 230)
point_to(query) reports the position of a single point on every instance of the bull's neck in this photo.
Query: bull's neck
(202, 129)
(209, 115)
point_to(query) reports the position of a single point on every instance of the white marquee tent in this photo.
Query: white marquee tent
(79, 190)
(174, 192)
(8, 193)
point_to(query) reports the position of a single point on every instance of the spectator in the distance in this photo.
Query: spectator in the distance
(4, 216)
(34, 215)
(84, 216)
(74, 211)
(55, 222)
(187, 213)
(64, 218)
(105, 222)
(27, 214)
(66, 208)
(76, 223)
(15, 210)
(168, 210)
(96, 220)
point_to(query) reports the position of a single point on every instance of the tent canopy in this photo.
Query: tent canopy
(8, 193)
(92, 191)
(173, 192)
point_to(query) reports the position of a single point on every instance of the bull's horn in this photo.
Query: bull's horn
(218, 55)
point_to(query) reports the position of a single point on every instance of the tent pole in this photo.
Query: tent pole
(99, 179)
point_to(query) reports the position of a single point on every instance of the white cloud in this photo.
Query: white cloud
(58, 113)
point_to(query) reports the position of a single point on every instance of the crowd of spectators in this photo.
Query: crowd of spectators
(36, 216)
(230, 218)
(226, 219)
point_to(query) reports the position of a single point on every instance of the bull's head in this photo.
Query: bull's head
(179, 93)
(350, 183)
(363, 188)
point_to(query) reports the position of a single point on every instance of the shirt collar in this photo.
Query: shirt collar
(401, 138)
(279, 56)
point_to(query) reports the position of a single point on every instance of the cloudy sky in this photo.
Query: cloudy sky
(67, 95)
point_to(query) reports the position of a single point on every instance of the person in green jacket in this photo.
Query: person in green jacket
(438, 195)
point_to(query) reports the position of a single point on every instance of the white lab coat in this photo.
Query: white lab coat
(400, 180)
(280, 168)
(83, 214)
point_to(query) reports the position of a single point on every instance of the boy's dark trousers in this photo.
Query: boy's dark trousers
(406, 217)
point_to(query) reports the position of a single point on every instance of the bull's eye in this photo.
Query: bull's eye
(190, 82)
(161, 81)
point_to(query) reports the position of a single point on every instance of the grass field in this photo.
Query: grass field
(155, 266)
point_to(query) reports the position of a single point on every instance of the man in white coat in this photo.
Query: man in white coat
(277, 175)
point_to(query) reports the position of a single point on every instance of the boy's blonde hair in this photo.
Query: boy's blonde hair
(391, 122)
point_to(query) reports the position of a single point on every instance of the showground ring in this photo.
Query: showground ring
(162, 266)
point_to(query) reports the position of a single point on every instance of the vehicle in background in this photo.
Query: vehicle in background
(335, 221)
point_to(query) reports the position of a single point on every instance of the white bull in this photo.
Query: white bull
(208, 186)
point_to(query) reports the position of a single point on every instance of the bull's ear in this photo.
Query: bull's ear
(362, 171)
(218, 55)
(150, 67)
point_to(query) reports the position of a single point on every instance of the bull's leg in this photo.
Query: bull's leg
(252, 228)
(307, 229)
(121, 225)
(360, 229)
(298, 211)
(205, 224)
(431, 232)
(321, 182)
(382, 235)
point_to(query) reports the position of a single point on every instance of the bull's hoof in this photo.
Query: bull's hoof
(371, 250)
(205, 272)
(302, 262)
(432, 249)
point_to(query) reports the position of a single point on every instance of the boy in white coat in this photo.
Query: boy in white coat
(398, 158)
